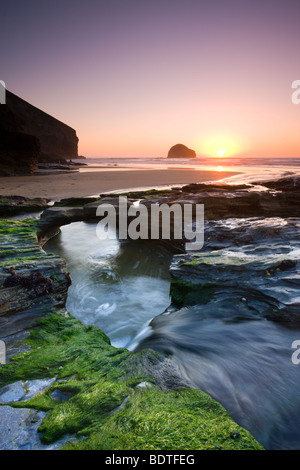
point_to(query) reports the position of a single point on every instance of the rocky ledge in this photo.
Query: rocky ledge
(31, 281)
(255, 274)
(65, 385)
(13, 205)
(221, 201)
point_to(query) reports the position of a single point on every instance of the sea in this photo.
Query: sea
(248, 169)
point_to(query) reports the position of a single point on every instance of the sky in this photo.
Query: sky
(136, 77)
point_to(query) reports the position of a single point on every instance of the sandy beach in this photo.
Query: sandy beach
(57, 186)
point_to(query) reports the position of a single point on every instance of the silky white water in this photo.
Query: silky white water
(244, 364)
(118, 287)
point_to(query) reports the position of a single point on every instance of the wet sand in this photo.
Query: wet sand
(57, 186)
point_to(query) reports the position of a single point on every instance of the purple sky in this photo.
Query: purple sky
(136, 77)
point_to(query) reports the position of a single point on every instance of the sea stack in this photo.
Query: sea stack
(181, 151)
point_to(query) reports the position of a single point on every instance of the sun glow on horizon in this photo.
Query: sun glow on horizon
(221, 146)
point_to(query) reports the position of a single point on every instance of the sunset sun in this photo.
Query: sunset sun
(221, 153)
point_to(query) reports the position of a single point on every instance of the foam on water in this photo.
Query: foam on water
(117, 287)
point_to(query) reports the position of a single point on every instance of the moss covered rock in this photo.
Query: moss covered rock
(105, 407)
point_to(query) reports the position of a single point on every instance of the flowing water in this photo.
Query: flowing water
(245, 364)
(118, 287)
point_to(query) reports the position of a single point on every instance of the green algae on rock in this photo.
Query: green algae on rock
(32, 283)
(186, 293)
(103, 403)
(106, 408)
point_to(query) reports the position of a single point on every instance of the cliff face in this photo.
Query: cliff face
(19, 152)
(29, 135)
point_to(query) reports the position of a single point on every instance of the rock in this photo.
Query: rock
(181, 151)
(35, 387)
(292, 183)
(12, 392)
(54, 217)
(54, 169)
(58, 141)
(227, 201)
(75, 201)
(19, 153)
(35, 281)
(18, 428)
(32, 282)
(71, 163)
(23, 391)
(90, 210)
(29, 136)
(199, 187)
(16, 343)
(79, 210)
(60, 396)
(220, 202)
(244, 277)
(247, 270)
(103, 382)
(13, 205)
(57, 344)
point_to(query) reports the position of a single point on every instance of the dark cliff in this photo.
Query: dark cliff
(29, 135)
